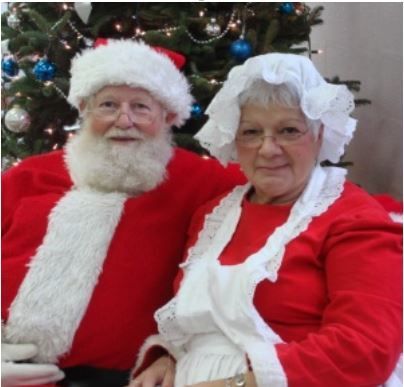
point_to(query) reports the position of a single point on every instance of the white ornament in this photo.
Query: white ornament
(88, 42)
(72, 128)
(212, 28)
(83, 10)
(6, 162)
(13, 21)
(17, 119)
(4, 47)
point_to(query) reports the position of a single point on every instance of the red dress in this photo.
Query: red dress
(337, 302)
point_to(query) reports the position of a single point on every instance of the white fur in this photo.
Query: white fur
(125, 62)
(396, 217)
(151, 341)
(56, 291)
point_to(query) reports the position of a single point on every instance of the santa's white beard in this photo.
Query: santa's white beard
(134, 167)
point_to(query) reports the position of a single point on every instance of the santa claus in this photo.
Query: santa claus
(92, 234)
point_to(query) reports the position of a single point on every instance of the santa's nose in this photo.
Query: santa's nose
(124, 120)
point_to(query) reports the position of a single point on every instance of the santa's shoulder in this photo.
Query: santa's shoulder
(46, 164)
(185, 161)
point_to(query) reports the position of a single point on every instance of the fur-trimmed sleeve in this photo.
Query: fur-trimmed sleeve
(153, 348)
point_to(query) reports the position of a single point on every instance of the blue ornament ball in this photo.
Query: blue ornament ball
(44, 70)
(241, 49)
(196, 110)
(286, 8)
(9, 66)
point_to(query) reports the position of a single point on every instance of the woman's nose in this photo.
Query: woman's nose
(269, 147)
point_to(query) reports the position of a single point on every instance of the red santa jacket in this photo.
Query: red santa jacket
(98, 273)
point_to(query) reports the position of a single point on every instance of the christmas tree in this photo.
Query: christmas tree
(39, 40)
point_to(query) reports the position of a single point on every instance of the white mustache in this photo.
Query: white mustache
(127, 133)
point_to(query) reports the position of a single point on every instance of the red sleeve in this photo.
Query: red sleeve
(389, 203)
(34, 175)
(361, 335)
(218, 179)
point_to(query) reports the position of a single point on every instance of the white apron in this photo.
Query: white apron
(212, 323)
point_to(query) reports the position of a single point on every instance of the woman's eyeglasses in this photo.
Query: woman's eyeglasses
(254, 138)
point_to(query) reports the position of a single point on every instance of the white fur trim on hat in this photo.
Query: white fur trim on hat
(319, 100)
(125, 62)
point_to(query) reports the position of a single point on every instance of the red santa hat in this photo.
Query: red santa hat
(136, 64)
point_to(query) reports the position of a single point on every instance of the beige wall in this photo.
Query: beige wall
(364, 41)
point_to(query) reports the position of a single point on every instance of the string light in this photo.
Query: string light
(60, 92)
(168, 30)
(65, 44)
(57, 89)
(165, 30)
(49, 131)
(139, 32)
(211, 81)
(118, 27)
(77, 32)
(56, 24)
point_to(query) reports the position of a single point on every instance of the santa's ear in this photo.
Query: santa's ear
(321, 133)
(82, 105)
(170, 118)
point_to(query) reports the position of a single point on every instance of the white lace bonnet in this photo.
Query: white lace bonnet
(319, 100)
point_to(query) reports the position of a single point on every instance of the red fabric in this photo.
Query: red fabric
(142, 258)
(337, 302)
(389, 203)
(177, 58)
(100, 42)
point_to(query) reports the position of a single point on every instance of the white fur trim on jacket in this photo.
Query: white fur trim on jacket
(125, 62)
(152, 341)
(56, 291)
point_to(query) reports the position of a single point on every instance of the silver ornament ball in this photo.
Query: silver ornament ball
(212, 28)
(17, 119)
(13, 21)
